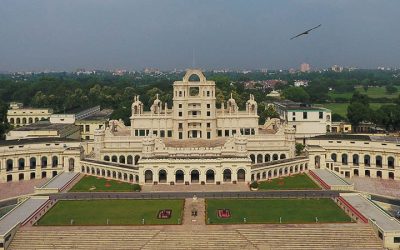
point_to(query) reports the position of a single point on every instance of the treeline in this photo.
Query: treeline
(387, 116)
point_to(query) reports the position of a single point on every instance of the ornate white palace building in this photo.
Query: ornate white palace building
(195, 142)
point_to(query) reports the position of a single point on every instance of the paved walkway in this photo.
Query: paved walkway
(195, 188)
(194, 205)
(13, 189)
(377, 186)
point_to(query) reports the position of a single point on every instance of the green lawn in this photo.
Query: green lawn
(270, 210)
(373, 92)
(341, 108)
(119, 212)
(297, 181)
(98, 184)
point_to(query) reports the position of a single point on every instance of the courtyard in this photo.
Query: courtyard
(114, 212)
(98, 184)
(294, 182)
(258, 211)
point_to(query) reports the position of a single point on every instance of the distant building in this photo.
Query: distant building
(274, 94)
(336, 68)
(300, 83)
(44, 129)
(305, 67)
(341, 127)
(17, 115)
(98, 120)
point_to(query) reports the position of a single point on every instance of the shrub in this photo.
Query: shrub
(136, 187)
(254, 185)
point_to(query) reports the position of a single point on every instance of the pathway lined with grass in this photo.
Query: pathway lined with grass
(98, 184)
(118, 212)
(293, 182)
(271, 210)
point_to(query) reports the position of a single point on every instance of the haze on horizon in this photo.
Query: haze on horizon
(247, 34)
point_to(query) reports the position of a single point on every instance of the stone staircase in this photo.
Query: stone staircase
(223, 239)
(305, 236)
(313, 236)
(88, 238)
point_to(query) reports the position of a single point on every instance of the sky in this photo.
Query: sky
(64, 35)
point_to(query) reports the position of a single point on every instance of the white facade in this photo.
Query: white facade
(308, 121)
(17, 115)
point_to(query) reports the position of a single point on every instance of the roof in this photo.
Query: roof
(290, 105)
(20, 213)
(329, 177)
(114, 164)
(373, 212)
(271, 163)
(194, 143)
(35, 141)
(99, 115)
(60, 180)
(341, 137)
(43, 125)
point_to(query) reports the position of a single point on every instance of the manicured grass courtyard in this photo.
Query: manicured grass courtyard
(98, 184)
(118, 212)
(293, 182)
(270, 210)
(341, 108)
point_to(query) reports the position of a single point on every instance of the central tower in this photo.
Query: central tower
(194, 114)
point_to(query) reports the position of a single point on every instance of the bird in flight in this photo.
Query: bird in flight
(305, 32)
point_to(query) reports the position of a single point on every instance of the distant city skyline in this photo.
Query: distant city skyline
(132, 35)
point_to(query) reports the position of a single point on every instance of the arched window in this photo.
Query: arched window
(267, 158)
(275, 157)
(24, 120)
(259, 158)
(54, 161)
(12, 121)
(148, 176)
(44, 162)
(227, 175)
(344, 159)
(30, 120)
(390, 162)
(210, 176)
(378, 161)
(334, 157)
(122, 159)
(367, 160)
(71, 164)
(32, 163)
(253, 158)
(21, 164)
(114, 158)
(107, 158)
(162, 176)
(129, 159)
(137, 158)
(241, 175)
(282, 156)
(356, 160)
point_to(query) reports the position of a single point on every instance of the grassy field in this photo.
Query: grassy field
(270, 210)
(118, 212)
(341, 108)
(373, 92)
(98, 184)
(298, 181)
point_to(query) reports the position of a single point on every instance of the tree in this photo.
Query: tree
(299, 148)
(358, 112)
(296, 94)
(391, 89)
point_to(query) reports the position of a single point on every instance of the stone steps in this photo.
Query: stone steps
(311, 236)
